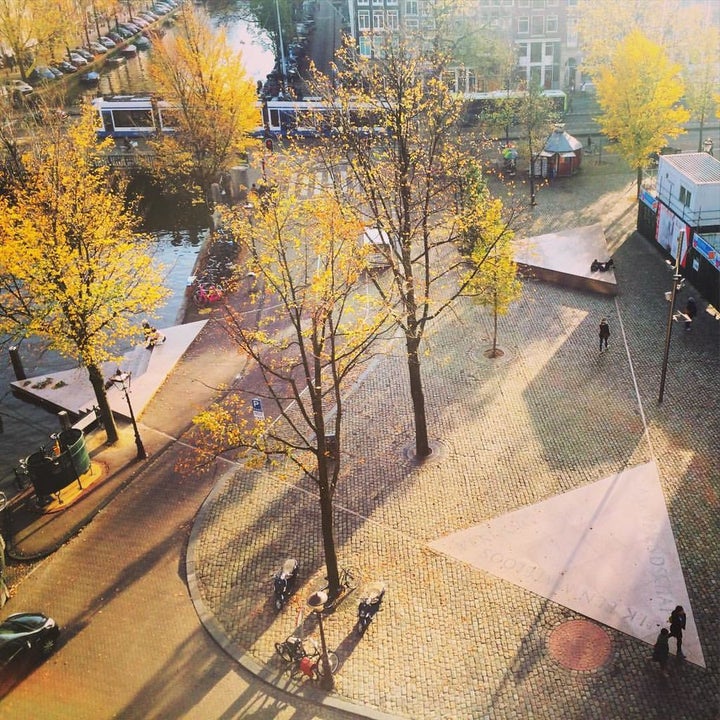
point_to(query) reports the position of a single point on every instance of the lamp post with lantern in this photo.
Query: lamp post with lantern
(122, 380)
(677, 285)
(317, 602)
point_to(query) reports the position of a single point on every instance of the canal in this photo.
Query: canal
(23, 426)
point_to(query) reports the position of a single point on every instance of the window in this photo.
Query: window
(536, 52)
(522, 50)
(365, 46)
(378, 20)
(551, 24)
(523, 25)
(363, 20)
(392, 19)
(685, 197)
(572, 32)
(538, 24)
(412, 23)
(411, 8)
(538, 4)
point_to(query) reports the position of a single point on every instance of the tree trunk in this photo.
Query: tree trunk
(422, 445)
(98, 382)
(639, 180)
(326, 520)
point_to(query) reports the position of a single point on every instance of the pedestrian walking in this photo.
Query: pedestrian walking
(604, 333)
(677, 622)
(690, 313)
(661, 649)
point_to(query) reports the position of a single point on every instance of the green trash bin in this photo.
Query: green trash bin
(72, 443)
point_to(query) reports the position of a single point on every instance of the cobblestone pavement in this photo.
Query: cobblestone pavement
(549, 416)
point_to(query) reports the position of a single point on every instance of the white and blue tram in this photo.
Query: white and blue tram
(133, 116)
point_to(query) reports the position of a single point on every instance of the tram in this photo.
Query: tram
(133, 116)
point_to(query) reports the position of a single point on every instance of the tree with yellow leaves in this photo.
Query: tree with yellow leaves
(493, 278)
(406, 169)
(73, 271)
(309, 334)
(639, 92)
(195, 68)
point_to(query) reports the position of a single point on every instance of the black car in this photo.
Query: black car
(25, 639)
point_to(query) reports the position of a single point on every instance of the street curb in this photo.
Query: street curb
(245, 660)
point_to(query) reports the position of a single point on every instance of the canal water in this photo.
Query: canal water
(23, 427)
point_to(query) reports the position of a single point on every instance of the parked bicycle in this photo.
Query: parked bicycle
(347, 581)
(305, 657)
(206, 295)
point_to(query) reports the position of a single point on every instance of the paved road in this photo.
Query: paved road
(133, 646)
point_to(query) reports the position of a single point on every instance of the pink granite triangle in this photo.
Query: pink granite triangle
(605, 550)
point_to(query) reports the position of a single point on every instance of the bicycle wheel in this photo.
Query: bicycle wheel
(283, 651)
(348, 578)
(200, 298)
(333, 662)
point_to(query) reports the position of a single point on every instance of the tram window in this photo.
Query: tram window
(133, 118)
(107, 120)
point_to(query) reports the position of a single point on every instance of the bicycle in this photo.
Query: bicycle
(205, 295)
(346, 579)
(305, 657)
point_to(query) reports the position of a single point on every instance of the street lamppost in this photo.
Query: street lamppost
(677, 285)
(122, 381)
(317, 602)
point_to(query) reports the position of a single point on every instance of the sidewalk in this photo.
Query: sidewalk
(457, 638)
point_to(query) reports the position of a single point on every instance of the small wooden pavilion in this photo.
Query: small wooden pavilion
(560, 157)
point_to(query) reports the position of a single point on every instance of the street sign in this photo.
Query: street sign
(258, 409)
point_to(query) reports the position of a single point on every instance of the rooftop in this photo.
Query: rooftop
(700, 167)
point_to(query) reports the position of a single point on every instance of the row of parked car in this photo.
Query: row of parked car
(79, 57)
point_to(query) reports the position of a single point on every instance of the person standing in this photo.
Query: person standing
(661, 649)
(677, 622)
(690, 312)
(604, 333)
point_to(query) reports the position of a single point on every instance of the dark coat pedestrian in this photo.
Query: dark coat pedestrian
(690, 312)
(604, 333)
(661, 649)
(677, 622)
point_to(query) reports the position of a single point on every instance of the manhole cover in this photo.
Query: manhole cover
(580, 645)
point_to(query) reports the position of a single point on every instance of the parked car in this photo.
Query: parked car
(123, 32)
(98, 48)
(132, 27)
(41, 75)
(65, 67)
(140, 22)
(142, 42)
(150, 16)
(83, 53)
(77, 60)
(90, 78)
(19, 86)
(25, 639)
(56, 71)
(107, 42)
(116, 37)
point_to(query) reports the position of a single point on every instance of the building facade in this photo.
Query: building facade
(543, 34)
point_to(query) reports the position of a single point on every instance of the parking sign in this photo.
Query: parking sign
(258, 409)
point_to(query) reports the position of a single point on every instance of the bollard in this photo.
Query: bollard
(64, 419)
(17, 363)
